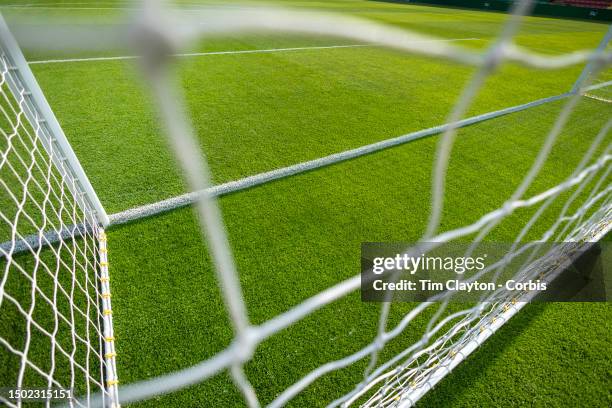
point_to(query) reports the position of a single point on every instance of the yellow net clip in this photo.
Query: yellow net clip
(103, 263)
(110, 383)
(108, 312)
(110, 355)
(109, 339)
(104, 279)
(106, 295)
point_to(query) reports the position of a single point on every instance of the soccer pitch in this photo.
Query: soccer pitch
(261, 102)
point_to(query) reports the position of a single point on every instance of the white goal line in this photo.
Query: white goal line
(232, 52)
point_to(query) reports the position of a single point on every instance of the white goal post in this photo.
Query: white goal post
(54, 282)
(53, 252)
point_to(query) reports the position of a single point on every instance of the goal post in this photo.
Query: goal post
(54, 280)
(39, 113)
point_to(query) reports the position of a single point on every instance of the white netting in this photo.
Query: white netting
(586, 213)
(448, 337)
(54, 293)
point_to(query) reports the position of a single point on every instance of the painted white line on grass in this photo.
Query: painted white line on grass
(198, 54)
(266, 177)
(230, 52)
(597, 98)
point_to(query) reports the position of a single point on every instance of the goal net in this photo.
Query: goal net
(55, 307)
(55, 294)
(450, 334)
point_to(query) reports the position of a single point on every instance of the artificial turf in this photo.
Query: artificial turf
(298, 236)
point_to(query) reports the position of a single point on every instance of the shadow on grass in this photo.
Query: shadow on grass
(450, 390)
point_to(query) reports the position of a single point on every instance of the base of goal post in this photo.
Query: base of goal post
(411, 396)
(110, 353)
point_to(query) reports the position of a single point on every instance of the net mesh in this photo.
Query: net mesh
(449, 336)
(54, 279)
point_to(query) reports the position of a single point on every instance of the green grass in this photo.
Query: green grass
(295, 237)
